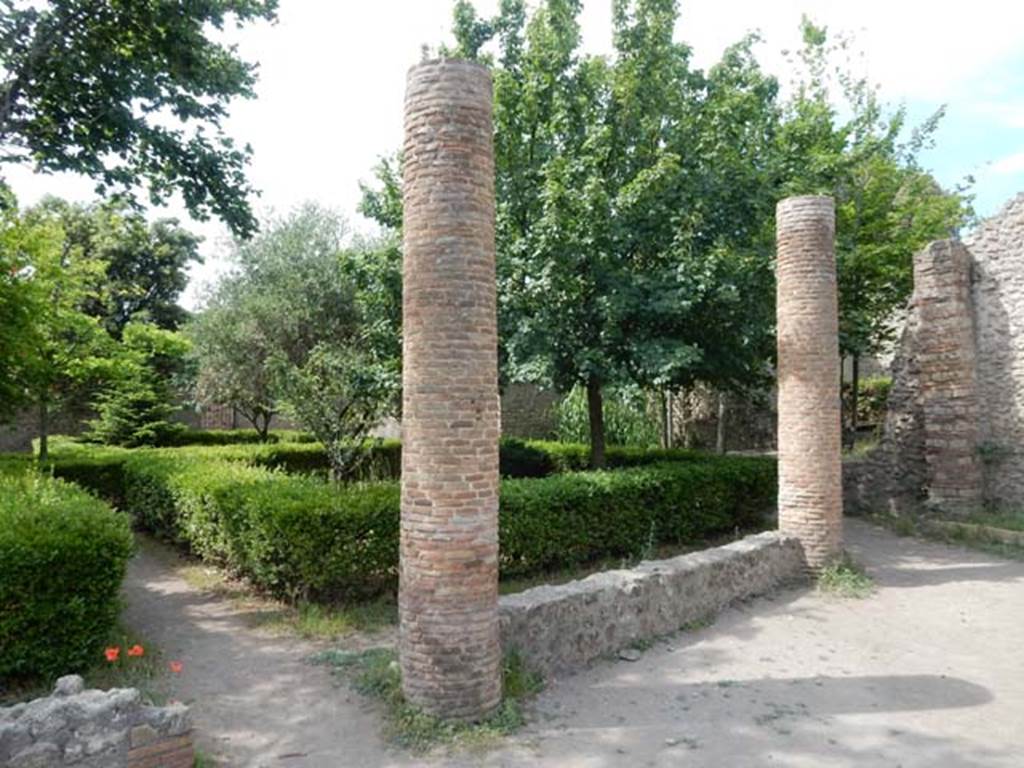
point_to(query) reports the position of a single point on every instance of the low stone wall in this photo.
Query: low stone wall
(558, 628)
(94, 729)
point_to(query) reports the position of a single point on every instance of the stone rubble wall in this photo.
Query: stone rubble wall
(559, 628)
(998, 293)
(94, 729)
(954, 431)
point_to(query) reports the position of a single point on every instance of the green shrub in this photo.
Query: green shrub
(569, 519)
(63, 555)
(629, 418)
(298, 536)
(236, 437)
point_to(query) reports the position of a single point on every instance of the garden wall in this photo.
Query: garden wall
(95, 729)
(954, 431)
(558, 628)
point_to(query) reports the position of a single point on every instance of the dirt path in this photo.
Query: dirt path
(256, 700)
(929, 671)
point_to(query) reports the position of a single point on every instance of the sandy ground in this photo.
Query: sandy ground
(927, 672)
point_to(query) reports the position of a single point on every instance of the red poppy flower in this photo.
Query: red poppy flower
(136, 650)
(175, 667)
(112, 653)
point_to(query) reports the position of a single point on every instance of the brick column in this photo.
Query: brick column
(949, 388)
(810, 470)
(448, 595)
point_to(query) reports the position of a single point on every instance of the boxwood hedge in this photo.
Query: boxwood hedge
(63, 554)
(298, 536)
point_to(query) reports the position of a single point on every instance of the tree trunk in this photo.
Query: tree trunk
(595, 410)
(670, 432)
(44, 432)
(854, 397)
(665, 436)
(720, 425)
(263, 426)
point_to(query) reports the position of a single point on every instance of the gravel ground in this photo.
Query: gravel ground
(926, 672)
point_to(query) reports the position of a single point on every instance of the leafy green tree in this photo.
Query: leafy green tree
(631, 205)
(145, 266)
(18, 246)
(311, 321)
(137, 404)
(130, 92)
(887, 206)
(65, 348)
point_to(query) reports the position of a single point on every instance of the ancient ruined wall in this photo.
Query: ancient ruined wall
(954, 433)
(556, 628)
(94, 729)
(998, 292)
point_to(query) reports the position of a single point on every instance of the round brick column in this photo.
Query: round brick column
(448, 595)
(810, 470)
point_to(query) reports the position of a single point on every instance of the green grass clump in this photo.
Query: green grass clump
(375, 673)
(845, 578)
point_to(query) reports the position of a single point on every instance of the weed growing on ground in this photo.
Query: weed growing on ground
(845, 578)
(375, 673)
(203, 761)
(315, 621)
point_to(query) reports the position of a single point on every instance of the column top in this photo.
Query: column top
(448, 62)
(807, 201)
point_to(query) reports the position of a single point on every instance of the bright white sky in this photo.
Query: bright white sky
(332, 78)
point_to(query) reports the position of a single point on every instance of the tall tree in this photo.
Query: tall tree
(309, 322)
(145, 265)
(66, 347)
(887, 206)
(639, 258)
(130, 93)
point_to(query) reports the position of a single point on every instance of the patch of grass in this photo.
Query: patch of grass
(1010, 519)
(375, 673)
(845, 578)
(310, 621)
(315, 621)
(698, 624)
(203, 761)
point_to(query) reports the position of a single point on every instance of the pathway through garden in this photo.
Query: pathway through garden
(928, 671)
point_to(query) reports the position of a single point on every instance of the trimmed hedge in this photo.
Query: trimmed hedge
(63, 555)
(98, 468)
(301, 537)
(235, 437)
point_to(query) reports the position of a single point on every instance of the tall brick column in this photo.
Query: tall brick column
(949, 389)
(810, 470)
(448, 596)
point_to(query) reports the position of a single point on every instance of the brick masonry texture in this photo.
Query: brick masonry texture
(948, 389)
(955, 424)
(448, 596)
(94, 729)
(810, 471)
(559, 628)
